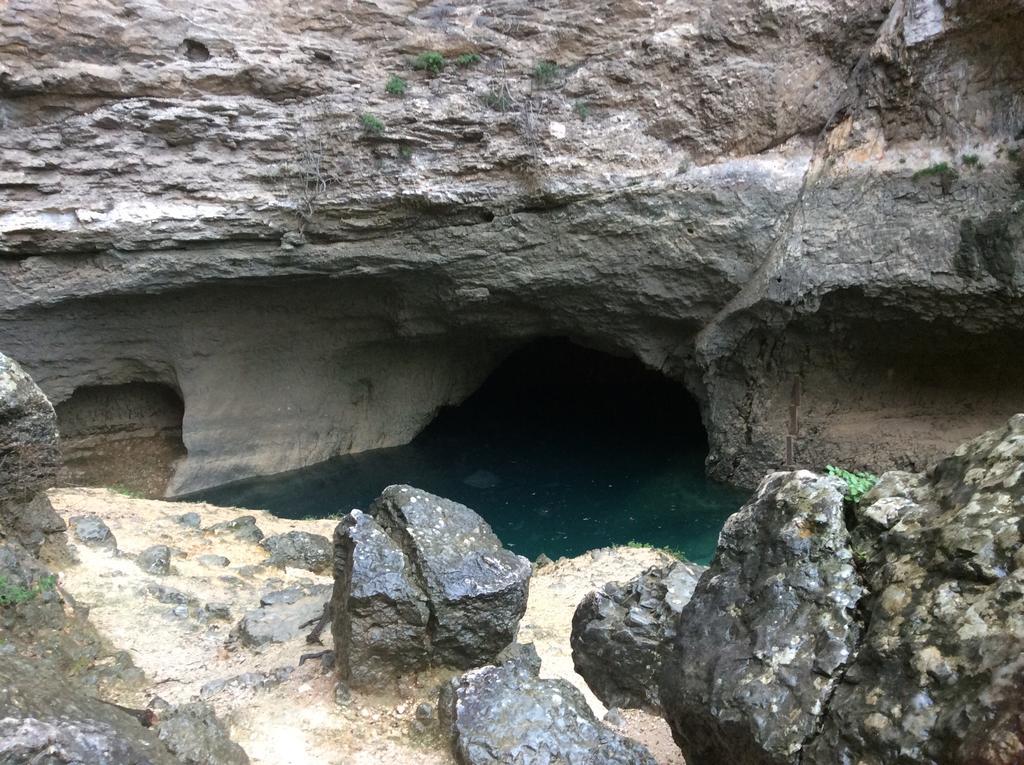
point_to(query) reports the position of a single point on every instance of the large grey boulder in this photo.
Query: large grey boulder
(380, 613)
(507, 715)
(43, 719)
(784, 654)
(29, 457)
(421, 580)
(940, 675)
(477, 588)
(771, 625)
(620, 632)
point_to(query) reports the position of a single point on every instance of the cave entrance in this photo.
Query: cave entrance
(127, 437)
(562, 449)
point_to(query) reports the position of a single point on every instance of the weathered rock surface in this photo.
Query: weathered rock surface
(664, 196)
(299, 549)
(281, 622)
(769, 629)
(421, 580)
(380, 613)
(477, 589)
(243, 528)
(43, 719)
(898, 641)
(92, 531)
(620, 632)
(195, 736)
(29, 458)
(155, 560)
(499, 715)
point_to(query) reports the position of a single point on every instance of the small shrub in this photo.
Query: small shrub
(396, 86)
(545, 72)
(16, 595)
(126, 491)
(498, 100)
(675, 552)
(582, 109)
(941, 169)
(858, 483)
(971, 160)
(371, 124)
(431, 61)
(467, 60)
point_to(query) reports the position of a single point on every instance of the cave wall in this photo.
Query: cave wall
(742, 195)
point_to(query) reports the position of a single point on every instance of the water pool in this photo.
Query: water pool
(554, 466)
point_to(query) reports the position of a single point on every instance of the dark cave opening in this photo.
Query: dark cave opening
(125, 436)
(563, 449)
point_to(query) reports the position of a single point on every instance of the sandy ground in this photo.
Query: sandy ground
(296, 721)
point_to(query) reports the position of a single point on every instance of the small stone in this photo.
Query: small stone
(342, 694)
(180, 611)
(213, 561)
(424, 712)
(243, 528)
(91, 531)
(155, 560)
(614, 717)
(299, 549)
(192, 520)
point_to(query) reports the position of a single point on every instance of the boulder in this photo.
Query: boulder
(500, 715)
(281, 622)
(243, 528)
(195, 736)
(477, 588)
(771, 625)
(155, 560)
(940, 674)
(784, 654)
(620, 632)
(299, 549)
(213, 561)
(380, 613)
(29, 457)
(43, 719)
(91, 531)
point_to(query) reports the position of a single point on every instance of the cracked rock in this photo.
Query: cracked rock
(421, 580)
(620, 632)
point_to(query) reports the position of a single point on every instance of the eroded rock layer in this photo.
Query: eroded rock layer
(768, 202)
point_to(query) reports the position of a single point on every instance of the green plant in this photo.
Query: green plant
(429, 61)
(371, 124)
(971, 160)
(498, 100)
(941, 169)
(858, 483)
(126, 491)
(396, 86)
(675, 552)
(545, 72)
(582, 109)
(467, 59)
(16, 595)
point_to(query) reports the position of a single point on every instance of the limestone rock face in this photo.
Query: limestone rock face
(29, 457)
(421, 580)
(897, 641)
(766, 201)
(507, 714)
(620, 632)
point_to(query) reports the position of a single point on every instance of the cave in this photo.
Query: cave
(126, 436)
(562, 448)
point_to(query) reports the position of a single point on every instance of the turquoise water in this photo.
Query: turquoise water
(562, 451)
